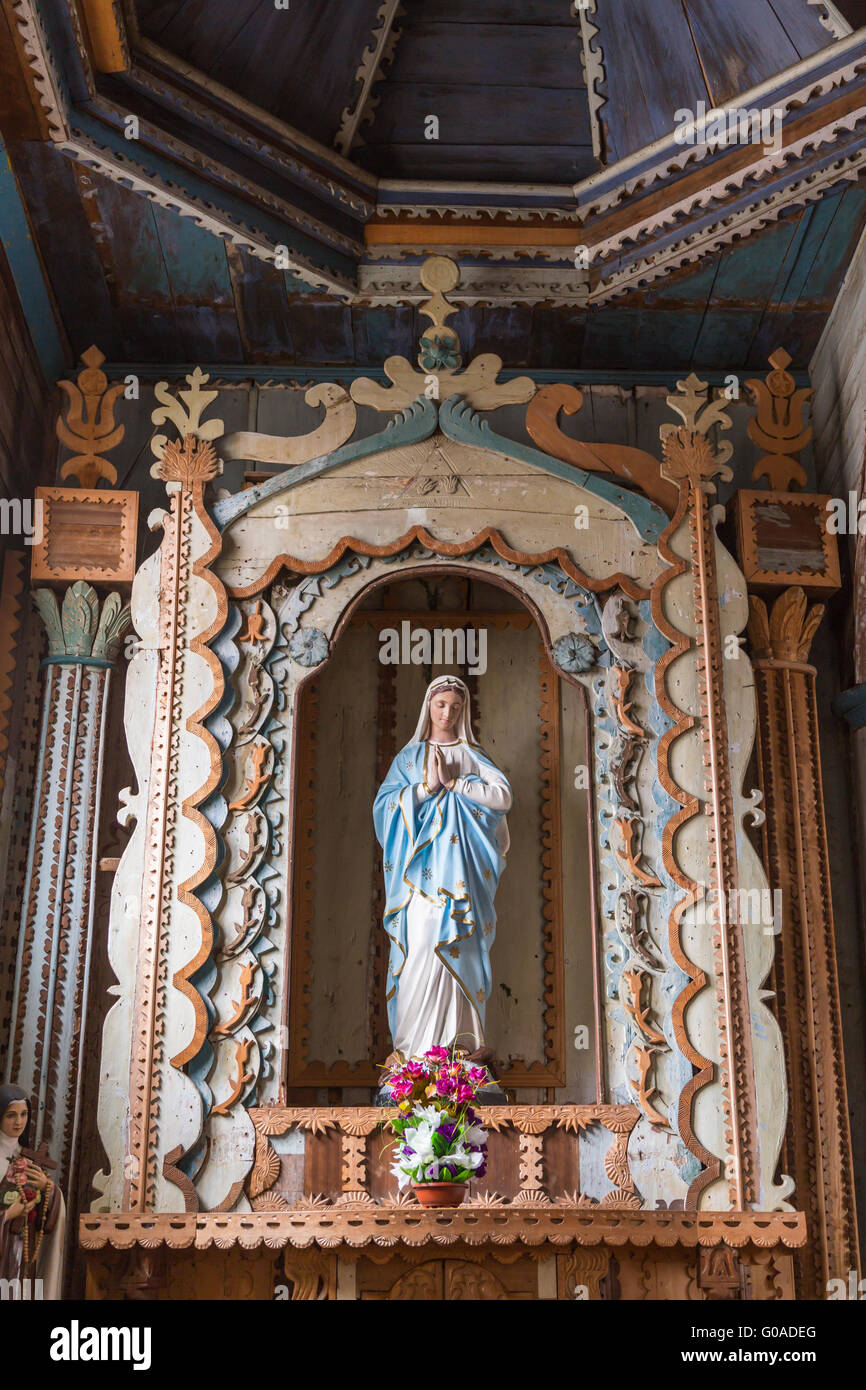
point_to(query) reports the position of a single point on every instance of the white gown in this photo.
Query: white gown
(432, 1009)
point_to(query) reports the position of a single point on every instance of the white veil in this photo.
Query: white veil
(464, 725)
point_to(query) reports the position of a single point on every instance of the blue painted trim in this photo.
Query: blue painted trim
(79, 661)
(413, 425)
(300, 375)
(458, 421)
(850, 705)
(245, 217)
(461, 423)
(26, 268)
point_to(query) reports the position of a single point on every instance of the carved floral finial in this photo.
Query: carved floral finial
(185, 412)
(440, 345)
(76, 628)
(778, 426)
(440, 360)
(89, 427)
(194, 461)
(687, 450)
(785, 631)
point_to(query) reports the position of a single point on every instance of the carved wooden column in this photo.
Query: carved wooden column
(51, 977)
(796, 854)
(789, 555)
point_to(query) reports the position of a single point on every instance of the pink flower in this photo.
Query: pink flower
(464, 1094)
(438, 1054)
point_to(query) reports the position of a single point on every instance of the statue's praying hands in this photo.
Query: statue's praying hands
(441, 774)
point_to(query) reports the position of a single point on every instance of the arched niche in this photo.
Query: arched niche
(353, 714)
(307, 624)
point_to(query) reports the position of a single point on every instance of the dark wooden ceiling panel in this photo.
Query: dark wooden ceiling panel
(538, 56)
(262, 307)
(661, 56)
(477, 163)
(67, 241)
(510, 98)
(740, 43)
(490, 115)
(802, 25)
(651, 70)
(533, 12)
(299, 64)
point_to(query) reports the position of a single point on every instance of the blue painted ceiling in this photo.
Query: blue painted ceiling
(507, 84)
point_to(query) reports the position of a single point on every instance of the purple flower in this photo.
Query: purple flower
(445, 1086)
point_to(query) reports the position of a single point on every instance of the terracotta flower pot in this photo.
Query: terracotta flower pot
(439, 1194)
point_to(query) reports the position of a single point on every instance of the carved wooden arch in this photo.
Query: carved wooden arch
(535, 1074)
(450, 549)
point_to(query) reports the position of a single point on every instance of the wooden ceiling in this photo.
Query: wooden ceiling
(304, 128)
(503, 79)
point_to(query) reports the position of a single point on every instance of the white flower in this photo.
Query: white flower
(474, 1134)
(464, 1159)
(401, 1175)
(428, 1113)
(420, 1141)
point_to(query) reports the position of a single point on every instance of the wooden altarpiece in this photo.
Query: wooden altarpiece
(223, 1180)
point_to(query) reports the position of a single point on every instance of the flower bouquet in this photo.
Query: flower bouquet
(440, 1144)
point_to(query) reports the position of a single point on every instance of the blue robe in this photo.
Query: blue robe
(446, 850)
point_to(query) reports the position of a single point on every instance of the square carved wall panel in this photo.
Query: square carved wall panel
(87, 533)
(783, 540)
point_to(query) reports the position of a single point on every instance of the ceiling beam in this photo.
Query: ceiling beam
(107, 35)
(369, 70)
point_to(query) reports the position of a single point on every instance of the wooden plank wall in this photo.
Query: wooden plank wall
(150, 286)
(838, 374)
(25, 458)
(23, 404)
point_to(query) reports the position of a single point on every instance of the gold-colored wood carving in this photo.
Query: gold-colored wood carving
(778, 426)
(817, 1150)
(638, 468)
(88, 428)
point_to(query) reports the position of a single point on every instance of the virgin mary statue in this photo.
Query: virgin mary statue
(440, 819)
